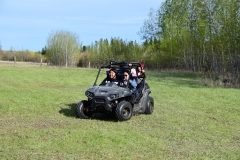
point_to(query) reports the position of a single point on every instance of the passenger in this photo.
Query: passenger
(111, 77)
(140, 72)
(133, 72)
(129, 81)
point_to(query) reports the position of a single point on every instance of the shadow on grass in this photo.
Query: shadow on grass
(70, 111)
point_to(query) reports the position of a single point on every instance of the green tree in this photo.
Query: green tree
(1, 51)
(62, 48)
(150, 27)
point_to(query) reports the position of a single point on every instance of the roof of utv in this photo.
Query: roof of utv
(120, 65)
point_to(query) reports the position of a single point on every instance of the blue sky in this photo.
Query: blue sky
(26, 24)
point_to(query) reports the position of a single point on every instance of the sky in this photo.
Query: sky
(26, 24)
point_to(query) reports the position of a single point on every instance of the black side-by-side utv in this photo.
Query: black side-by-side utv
(112, 98)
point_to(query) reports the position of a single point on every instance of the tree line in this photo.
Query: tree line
(197, 35)
(194, 35)
(24, 56)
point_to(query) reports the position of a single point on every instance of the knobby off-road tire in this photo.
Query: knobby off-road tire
(82, 110)
(149, 105)
(124, 111)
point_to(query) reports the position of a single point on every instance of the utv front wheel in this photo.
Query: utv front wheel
(149, 105)
(124, 111)
(82, 110)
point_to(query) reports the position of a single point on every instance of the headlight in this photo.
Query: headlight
(113, 96)
(90, 95)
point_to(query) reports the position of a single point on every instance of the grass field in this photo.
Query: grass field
(190, 121)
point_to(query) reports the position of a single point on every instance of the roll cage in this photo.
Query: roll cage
(120, 67)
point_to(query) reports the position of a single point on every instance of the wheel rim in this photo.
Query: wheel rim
(126, 112)
(85, 109)
(151, 107)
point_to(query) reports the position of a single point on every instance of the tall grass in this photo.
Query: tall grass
(190, 121)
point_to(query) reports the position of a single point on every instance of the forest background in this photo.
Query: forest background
(190, 35)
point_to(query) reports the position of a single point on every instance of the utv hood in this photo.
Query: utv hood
(110, 90)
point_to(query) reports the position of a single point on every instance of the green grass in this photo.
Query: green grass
(190, 121)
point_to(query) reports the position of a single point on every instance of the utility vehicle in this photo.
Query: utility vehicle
(112, 98)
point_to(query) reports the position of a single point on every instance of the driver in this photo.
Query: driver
(111, 77)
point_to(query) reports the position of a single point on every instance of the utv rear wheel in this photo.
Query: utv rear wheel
(149, 105)
(82, 110)
(124, 111)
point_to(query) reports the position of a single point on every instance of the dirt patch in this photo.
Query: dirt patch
(50, 123)
(13, 124)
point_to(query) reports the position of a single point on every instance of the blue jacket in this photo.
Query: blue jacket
(132, 85)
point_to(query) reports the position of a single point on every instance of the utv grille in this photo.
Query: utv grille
(99, 100)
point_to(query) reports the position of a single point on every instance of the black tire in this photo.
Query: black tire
(82, 110)
(149, 105)
(124, 111)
